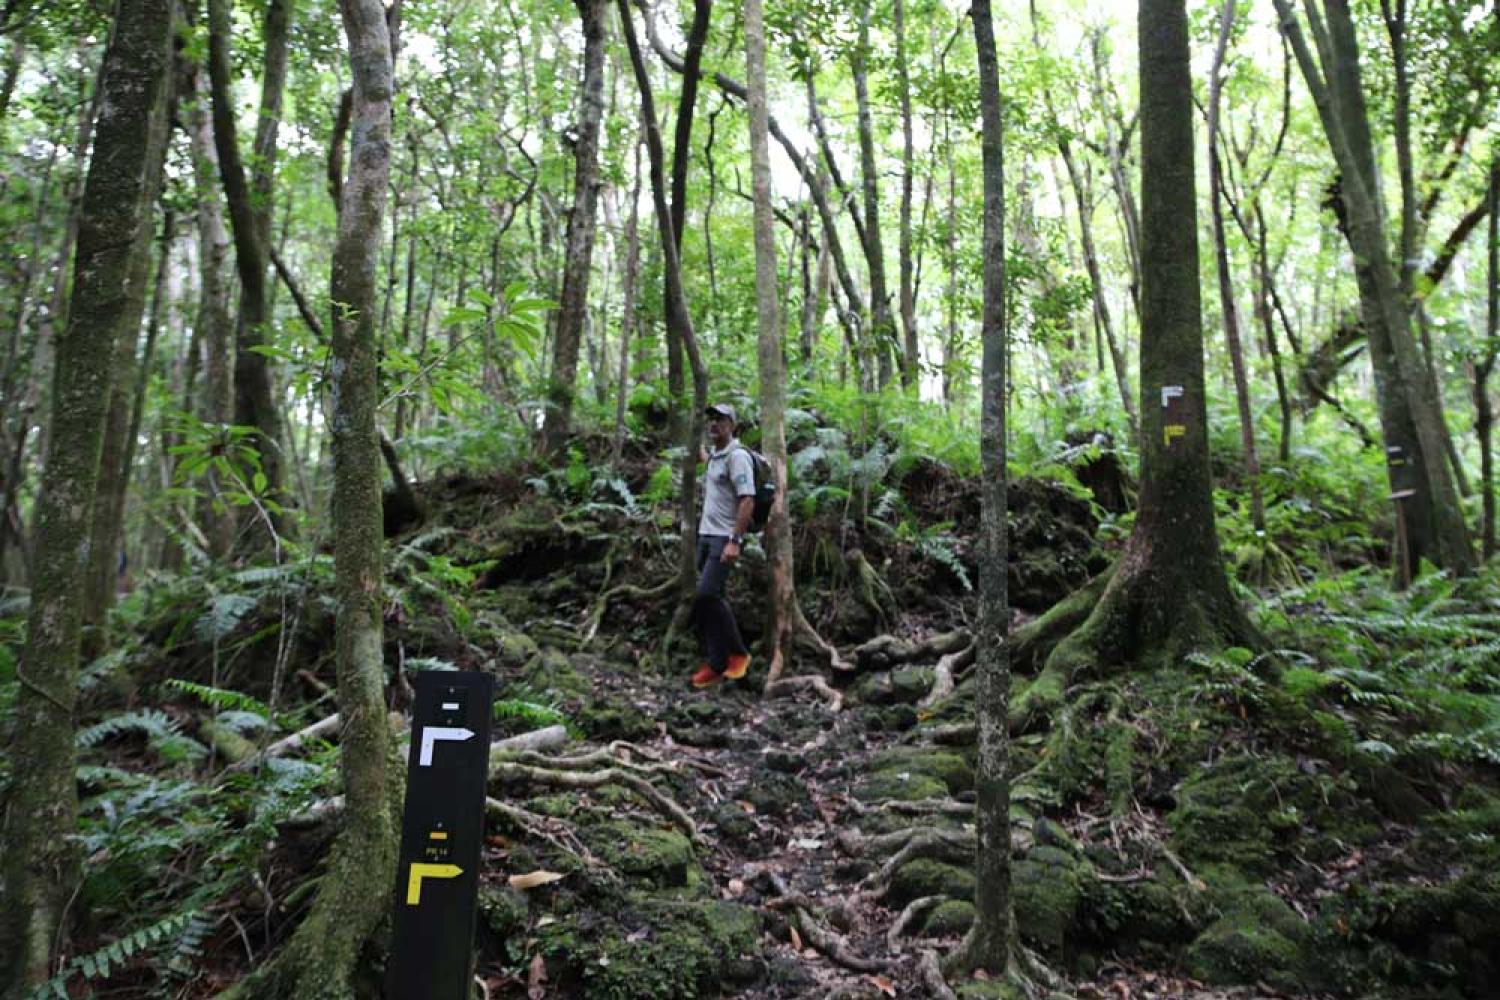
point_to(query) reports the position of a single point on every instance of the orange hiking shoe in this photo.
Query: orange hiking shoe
(706, 677)
(738, 664)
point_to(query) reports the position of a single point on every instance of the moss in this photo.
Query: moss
(776, 794)
(1046, 889)
(659, 857)
(949, 768)
(551, 673)
(926, 877)
(903, 786)
(504, 910)
(615, 720)
(651, 949)
(950, 919)
(515, 649)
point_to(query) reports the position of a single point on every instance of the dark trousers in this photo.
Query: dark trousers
(718, 632)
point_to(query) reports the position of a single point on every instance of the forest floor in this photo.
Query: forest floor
(1324, 821)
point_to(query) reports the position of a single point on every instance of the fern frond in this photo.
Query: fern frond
(222, 699)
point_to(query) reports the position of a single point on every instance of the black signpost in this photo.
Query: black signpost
(437, 881)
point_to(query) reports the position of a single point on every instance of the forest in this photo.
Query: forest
(898, 517)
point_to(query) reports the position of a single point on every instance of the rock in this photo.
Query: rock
(949, 768)
(950, 919)
(1046, 888)
(927, 877)
(776, 794)
(900, 786)
(615, 720)
(657, 857)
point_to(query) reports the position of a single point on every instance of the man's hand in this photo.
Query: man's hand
(731, 552)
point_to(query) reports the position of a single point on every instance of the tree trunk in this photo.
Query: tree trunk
(988, 944)
(781, 609)
(882, 324)
(573, 303)
(678, 317)
(40, 858)
(1226, 286)
(1419, 474)
(629, 279)
(911, 357)
(254, 394)
(323, 956)
(1168, 593)
(1484, 414)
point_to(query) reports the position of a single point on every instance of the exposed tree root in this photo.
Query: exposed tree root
(548, 738)
(929, 807)
(906, 916)
(791, 685)
(509, 771)
(930, 970)
(946, 671)
(944, 845)
(820, 937)
(802, 629)
(870, 588)
(544, 828)
(628, 591)
(885, 651)
(321, 729)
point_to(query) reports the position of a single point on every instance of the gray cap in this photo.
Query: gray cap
(721, 410)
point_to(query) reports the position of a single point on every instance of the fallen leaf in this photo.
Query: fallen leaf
(884, 985)
(546, 921)
(533, 879)
(736, 887)
(748, 807)
(807, 843)
(796, 939)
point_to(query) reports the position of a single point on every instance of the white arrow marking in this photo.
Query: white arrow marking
(432, 734)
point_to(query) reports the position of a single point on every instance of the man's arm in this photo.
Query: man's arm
(742, 515)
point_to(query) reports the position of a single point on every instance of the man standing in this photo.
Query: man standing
(728, 504)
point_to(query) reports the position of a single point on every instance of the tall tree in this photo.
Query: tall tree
(40, 858)
(911, 356)
(882, 324)
(323, 956)
(1417, 468)
(1484, 414)
(579, 254)
(1228, 311)
(988, 944)
(249, 204)
(1167, 593)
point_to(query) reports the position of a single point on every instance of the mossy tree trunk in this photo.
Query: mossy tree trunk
(1168, 593)
(882, 336)
(323, 959)
(1484, 419)
(579, 254)
(40, 863)
(1417, 468)
(988, 944)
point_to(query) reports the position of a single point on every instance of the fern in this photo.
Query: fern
(162, 733)
(98, 964)
(532, 713)
(225, 611)
(222, 699)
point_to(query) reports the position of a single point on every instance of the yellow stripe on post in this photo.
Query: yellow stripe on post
(419, 871)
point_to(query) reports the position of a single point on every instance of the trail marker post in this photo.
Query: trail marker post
(441, 829)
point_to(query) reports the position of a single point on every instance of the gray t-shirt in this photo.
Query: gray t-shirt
(730, 475)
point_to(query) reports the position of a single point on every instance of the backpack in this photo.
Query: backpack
(765, 489)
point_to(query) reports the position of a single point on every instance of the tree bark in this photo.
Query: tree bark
(782, 606)
(1419, 474)
(882, 324)
(1168, 593)
(630, 279)
(579, 255)
(911, 358)
(988, 944)
(323, 956)
(40, 858)
(1227, 308)
(254, 395)
(1484, 414)
(678, 316)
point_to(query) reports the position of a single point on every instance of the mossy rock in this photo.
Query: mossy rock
(948, 767)
(515, 649)
(928, 877)
(902, 686)
(1241, 809)
(1256, 938)
(1046, 886)
(647, 948)
(615, 720)
(900, 786)
(658, 857)
(950, 919)
(553, 674)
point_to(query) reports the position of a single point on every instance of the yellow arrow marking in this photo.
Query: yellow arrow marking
(419, 871)
(1173, 431)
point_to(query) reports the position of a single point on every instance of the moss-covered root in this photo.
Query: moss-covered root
(1026, 975)
(1142, 617)
(1033, 641)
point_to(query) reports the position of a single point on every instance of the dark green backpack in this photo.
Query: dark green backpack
(765, 488)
